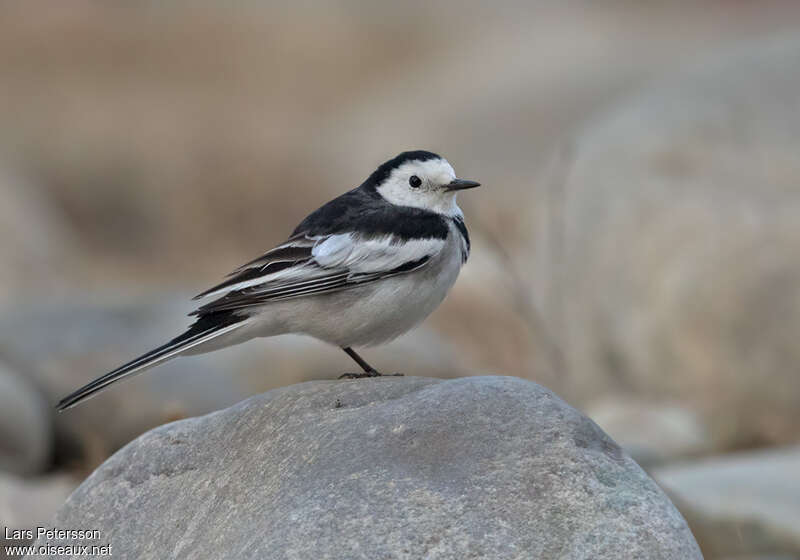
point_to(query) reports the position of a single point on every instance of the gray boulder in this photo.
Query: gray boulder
(28, 502)
(26, 425)
(745, 504)
(480, 467)
(673, 244)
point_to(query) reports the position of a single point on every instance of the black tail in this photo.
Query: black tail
(205, 329)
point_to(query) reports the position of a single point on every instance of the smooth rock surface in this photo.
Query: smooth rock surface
(26, 425)
(743, 504)
(481, 467)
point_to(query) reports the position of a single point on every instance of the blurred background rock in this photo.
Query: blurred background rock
(635, 245)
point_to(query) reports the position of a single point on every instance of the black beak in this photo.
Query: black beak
(461, 184)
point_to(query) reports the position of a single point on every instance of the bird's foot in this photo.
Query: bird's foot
(372, 373)
(359, 375)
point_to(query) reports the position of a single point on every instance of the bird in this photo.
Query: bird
(359, 271)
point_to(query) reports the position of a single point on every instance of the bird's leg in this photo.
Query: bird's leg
(369, 371)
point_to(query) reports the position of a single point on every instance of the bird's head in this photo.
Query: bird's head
(419, 179)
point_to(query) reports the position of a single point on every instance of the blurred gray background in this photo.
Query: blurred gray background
(635, 245)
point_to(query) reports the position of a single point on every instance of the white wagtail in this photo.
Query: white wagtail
(363, 269)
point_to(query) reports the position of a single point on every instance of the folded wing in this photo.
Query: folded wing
(310, 265)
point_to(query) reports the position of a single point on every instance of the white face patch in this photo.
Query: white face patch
(431, 194)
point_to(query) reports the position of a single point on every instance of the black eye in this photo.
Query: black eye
(414, 181)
